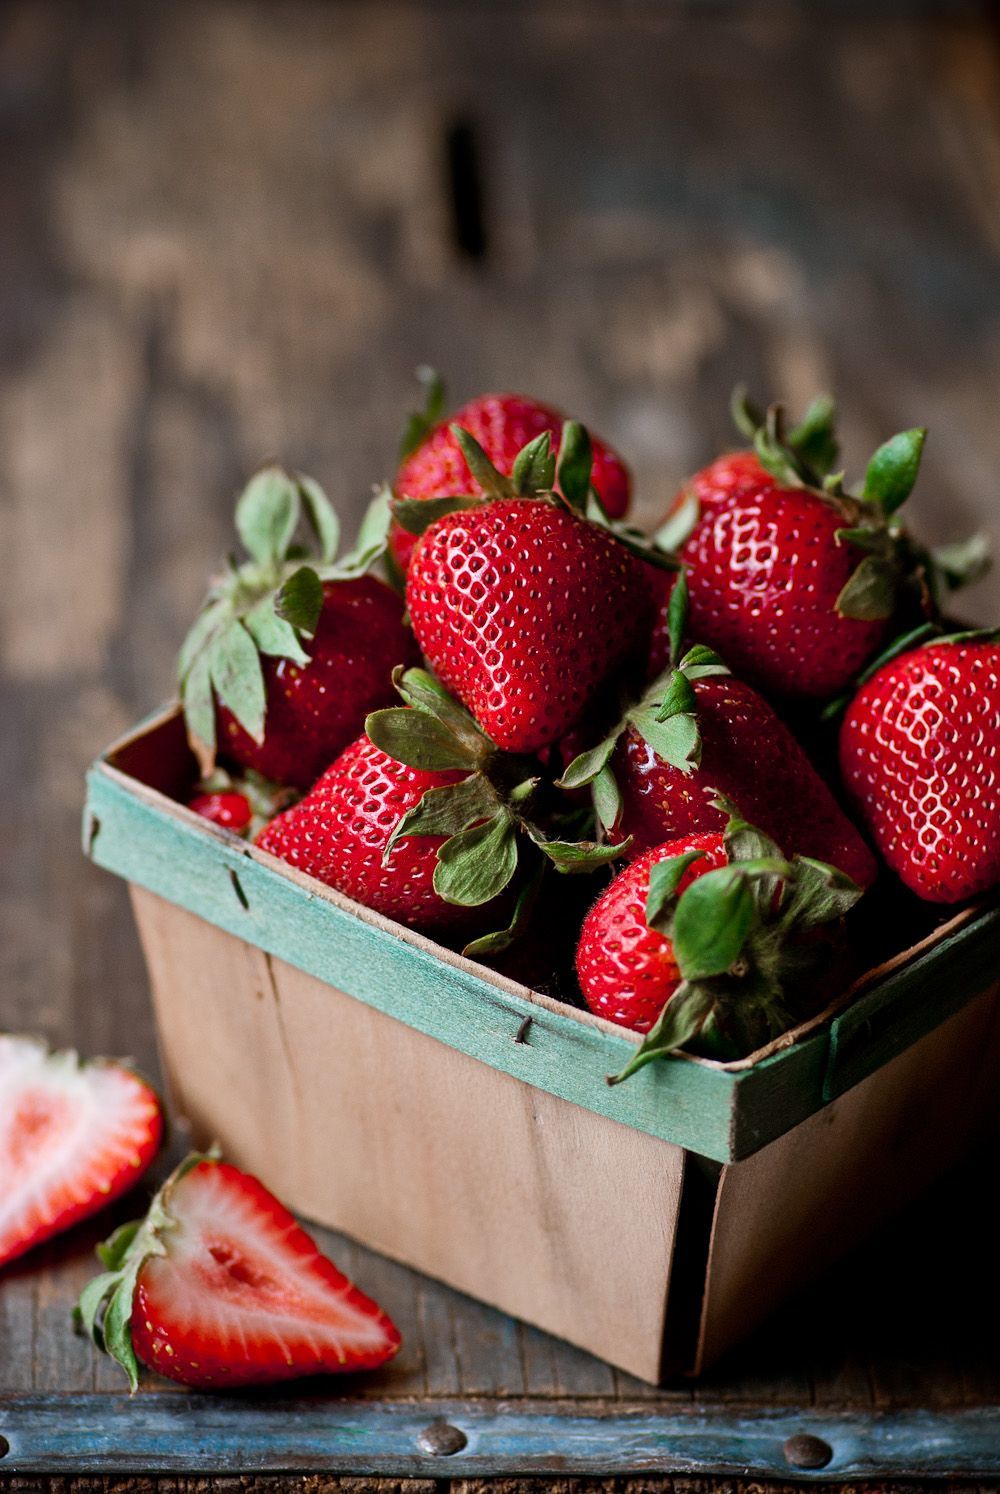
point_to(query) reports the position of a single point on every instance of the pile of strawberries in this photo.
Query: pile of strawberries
(538, 688)
(721, 736)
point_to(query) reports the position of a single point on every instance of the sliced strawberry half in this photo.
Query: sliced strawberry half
(73, 1136)
(219, 1286)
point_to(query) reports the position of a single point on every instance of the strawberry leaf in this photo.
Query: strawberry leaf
(371, 540)
(713, 918)
(419, 740)
(963, 562)
(420, 423)
(198, 701)
(573, 469)
(535, 466)
(818, 894)
(677, 741)
(475, 866)
(700, 662)
(681, 1019)
(299, 600)
(678, 697)
(208, 622)
(322, 516)
(678, 527)
(607, 798)
(447, 810)
(492, 482)
(664, 880)
(586, 766)
(267, 515)
(677, 614)
(501, 939)
(814, 439)
(424, 693)
(238, 678)
(893, 470)
(417, 514)
(578, 856)
(272, 634)
(870, 593)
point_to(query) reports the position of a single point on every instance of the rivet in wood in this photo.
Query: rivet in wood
(4, 1447)
(522, 1032)
(806, 1451)
(441, 1440)
(238, 887)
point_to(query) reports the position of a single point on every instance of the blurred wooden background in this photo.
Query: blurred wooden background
(229, 231)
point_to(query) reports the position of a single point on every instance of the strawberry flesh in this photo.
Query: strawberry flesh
(73, 1137)
(232, 811)
(243, 1296)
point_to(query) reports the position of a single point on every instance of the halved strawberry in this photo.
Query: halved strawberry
(73, 1136)
(219, 1286)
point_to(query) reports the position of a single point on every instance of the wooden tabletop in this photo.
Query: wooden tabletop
(230, 231)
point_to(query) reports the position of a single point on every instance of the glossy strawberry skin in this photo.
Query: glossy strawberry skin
(182, 1298)
(230, 810)
(524, 611)
(920, 753)
(765, 570)
(339, 831)
(314, 710)
(502, 424)
(750, 756)
(627, 971)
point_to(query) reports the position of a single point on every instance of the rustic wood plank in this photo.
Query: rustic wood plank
(671, 212)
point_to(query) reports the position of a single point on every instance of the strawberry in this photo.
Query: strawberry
(920, 753)
(422, 818)
(220, 1287)
(230, 810)
(292, 649)
(698, 732)
(73, 1136)
(704, 939)
(523, 606)
(434, 466)
(792, 578)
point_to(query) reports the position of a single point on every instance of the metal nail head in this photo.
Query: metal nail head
(806, 1451)
(4, 1447)
(441, 1440)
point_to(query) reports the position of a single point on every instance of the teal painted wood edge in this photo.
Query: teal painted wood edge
(912, 1001)
(175, 1433)
(217, 878)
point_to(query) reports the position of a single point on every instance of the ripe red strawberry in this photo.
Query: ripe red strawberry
(704, 940)
(424, 820)
(434, 465)
(340, 831)
(793, 579)
(220, 1287)
(627, 970)
(696, 733)
(292, 650)
(73, 1136)
(920, 752)
(230, 810)
(314, 710)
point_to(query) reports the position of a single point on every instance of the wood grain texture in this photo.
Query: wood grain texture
(227, 233)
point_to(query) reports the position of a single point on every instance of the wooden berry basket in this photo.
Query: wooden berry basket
(461, 1123)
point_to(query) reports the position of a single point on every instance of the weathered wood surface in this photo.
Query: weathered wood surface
(231, 230)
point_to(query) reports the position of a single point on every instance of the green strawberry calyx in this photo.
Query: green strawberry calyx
(892, 560)
(268, 604)
(560, 477)
(420, 423)
(740, 936)
(665, 716)
(104, 1310)
(497, 820)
